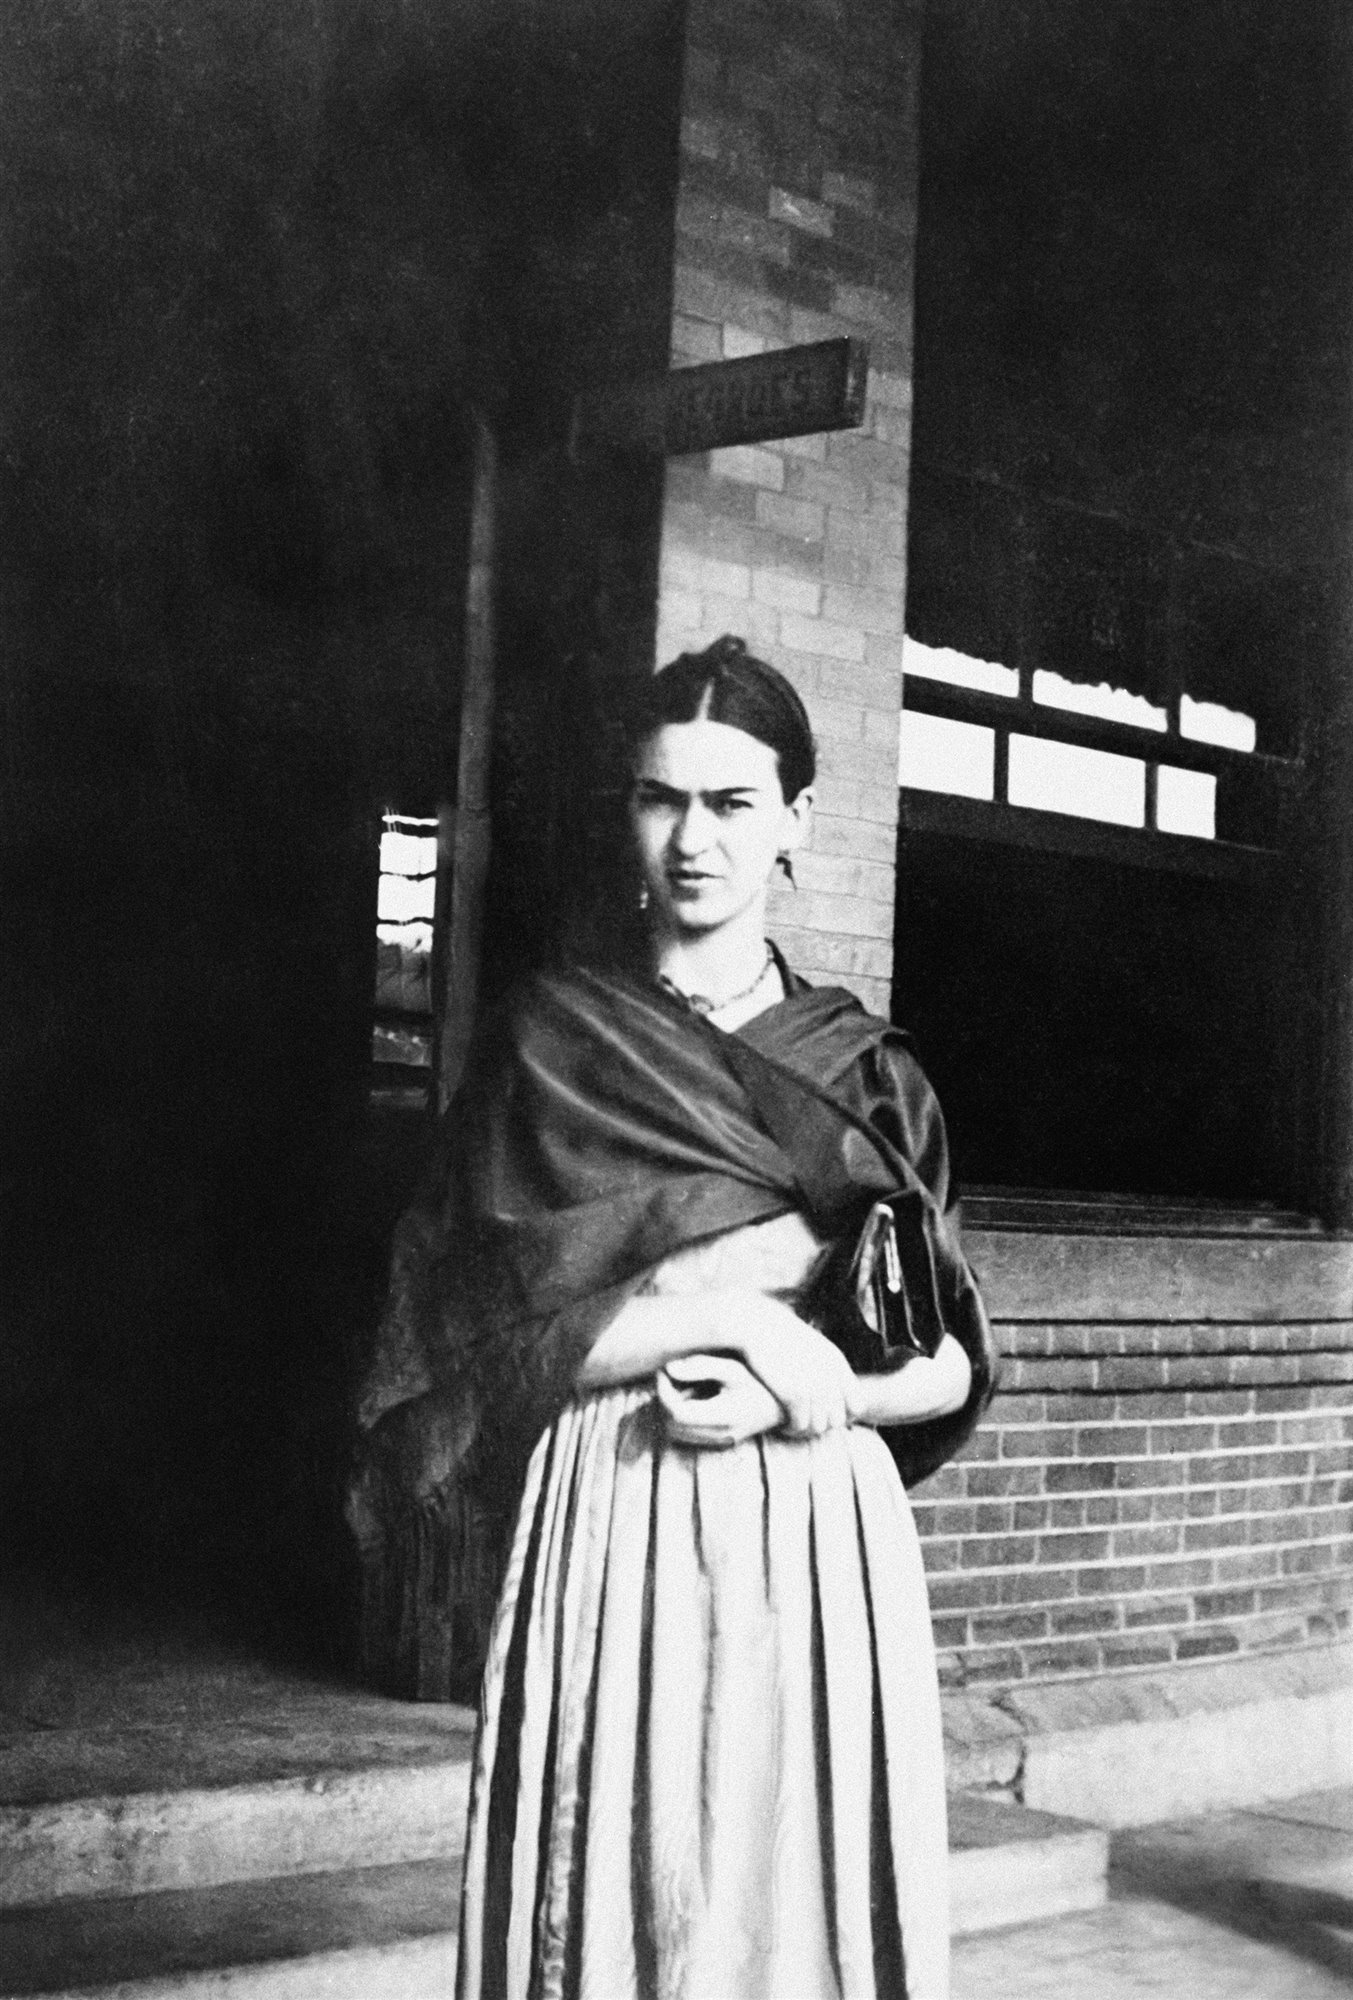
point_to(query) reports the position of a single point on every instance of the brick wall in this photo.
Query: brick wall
(796, 222)
(1150, 1491)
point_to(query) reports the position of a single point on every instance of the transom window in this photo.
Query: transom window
(1086, 684)
(1022, 757)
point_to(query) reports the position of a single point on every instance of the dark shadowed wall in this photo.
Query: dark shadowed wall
(1131, 439)
(261, 265)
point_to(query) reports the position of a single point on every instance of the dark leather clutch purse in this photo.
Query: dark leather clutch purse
(878, 1297)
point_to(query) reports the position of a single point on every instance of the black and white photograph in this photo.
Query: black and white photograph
(676, 1035)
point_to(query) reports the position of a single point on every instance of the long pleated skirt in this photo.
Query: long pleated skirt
(709, 1763)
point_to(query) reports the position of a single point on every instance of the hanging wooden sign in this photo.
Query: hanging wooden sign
(787, 392)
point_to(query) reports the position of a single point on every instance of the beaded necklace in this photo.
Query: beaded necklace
(699, 1004)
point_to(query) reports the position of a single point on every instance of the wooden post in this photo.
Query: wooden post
(1331, 844)
(784, 393)
(463, 834)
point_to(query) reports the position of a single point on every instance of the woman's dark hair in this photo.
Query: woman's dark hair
(726, 683)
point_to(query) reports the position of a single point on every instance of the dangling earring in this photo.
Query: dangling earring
(643, 895)
(784, 861)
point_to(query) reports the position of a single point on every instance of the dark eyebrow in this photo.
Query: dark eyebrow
(654, 789)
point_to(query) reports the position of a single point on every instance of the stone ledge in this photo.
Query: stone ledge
(1126, 1749)
(1045, 1708)
(1051, 1275)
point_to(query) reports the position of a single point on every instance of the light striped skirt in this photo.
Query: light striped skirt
(709, 1763)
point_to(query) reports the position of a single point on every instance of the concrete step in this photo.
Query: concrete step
(180, 1818)
(147, 1841)
(389, 1932)
(139, 1811)
(355, 1934)
(1008, 1865)
(1003, 1857)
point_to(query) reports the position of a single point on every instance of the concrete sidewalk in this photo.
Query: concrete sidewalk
(1253, 1905)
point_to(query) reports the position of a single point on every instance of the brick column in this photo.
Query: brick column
(796, 221)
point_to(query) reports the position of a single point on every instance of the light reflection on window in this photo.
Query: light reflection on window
(1111, 703)
(405, 910)
(942, 663)
(941, 754)
(1067, 778)
(407, 895)
(937, 755)
(1186, 802)
(1209, 722)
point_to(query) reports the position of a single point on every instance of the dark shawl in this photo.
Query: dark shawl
(604, 1125)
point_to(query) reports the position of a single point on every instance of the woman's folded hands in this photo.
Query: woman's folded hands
(733, 1364)
(766, 1370)
(808, 1380)
(790, 1378)
(713, 1400)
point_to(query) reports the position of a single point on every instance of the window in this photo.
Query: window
(939, 754)
(1099, 759)
(1129, 763)
(401, 1035)
(1175, 674)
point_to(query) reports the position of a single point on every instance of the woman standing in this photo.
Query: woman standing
(709, 1763)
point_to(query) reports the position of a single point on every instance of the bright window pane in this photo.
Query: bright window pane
(408, 853)
(406, 898)
(402, 898)
(1065, 778)
(937, 755)
(1186, 802)
(942, 663)
(1209, 722)
(1111, 703)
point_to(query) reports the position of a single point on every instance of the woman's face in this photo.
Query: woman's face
(709, 820)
